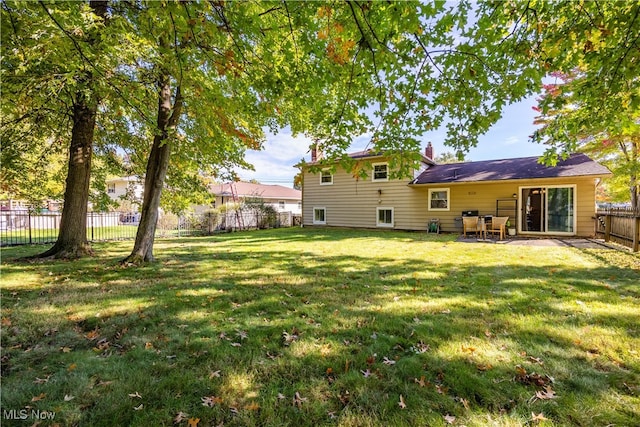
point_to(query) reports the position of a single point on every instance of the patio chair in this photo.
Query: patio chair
(498, 225)
(434, 226)
(470, 223)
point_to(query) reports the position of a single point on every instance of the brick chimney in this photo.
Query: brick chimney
(316, 153)
(428, 152)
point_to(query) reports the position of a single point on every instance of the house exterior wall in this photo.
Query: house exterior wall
(351, 203)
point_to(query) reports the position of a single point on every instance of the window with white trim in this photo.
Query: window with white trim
(111, 188)
(319, 215)
(380, 172)
(384, 217)
(326, 177)
(438, 199)
(281, 205)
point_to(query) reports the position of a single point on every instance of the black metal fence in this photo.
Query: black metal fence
(21, 227)
(621, 225)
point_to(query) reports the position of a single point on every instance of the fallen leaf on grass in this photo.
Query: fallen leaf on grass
(72, 367)
(442, 389)
(298, 400)
(92, 335)
(538, 417)
(138, 408)
(483, 366)
(148, 346)
(421, 381)
(180, 417)
(388, 361)
(401, 403)
(450, 419)
(65, 349)
(236, 344)
(536, 360)
(468, 349)
(38, 397)
(41, 380)
(6, 321)
(68, 397)
(464, 402)
(136, 394)
(547, 394)
(214, 374)
(210, 401)
(366, 373)
(253, 406)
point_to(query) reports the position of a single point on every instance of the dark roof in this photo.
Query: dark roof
(521, 168)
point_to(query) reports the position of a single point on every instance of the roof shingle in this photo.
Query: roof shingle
(509, 169)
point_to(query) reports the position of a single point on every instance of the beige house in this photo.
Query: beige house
(538, 200)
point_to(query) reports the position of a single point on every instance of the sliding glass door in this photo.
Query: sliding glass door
(548, 209)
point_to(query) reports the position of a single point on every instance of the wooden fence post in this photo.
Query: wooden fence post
(607, 227)
(636, 233)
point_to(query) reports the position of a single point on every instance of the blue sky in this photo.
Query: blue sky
(508, 138)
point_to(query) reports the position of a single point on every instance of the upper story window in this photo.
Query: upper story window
(439, 199)
(326, 177)
(111, 188)
(281, 204)
(380, 172)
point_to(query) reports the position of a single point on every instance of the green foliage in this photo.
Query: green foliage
(449, 157)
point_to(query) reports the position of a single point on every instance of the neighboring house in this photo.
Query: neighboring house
(538, 199)
(128, 188)
(283, 199)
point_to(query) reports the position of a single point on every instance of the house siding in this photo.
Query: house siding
(352, 203)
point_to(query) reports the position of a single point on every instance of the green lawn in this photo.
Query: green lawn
(306, 327)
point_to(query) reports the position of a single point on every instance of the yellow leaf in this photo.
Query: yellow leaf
(72, 367)
(38, 397)
(6, 321)
(253, 406)
(193, 422)
(148, 346)
(538, 417)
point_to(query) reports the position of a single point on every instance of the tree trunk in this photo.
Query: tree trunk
(156, 172)
(72, 238)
